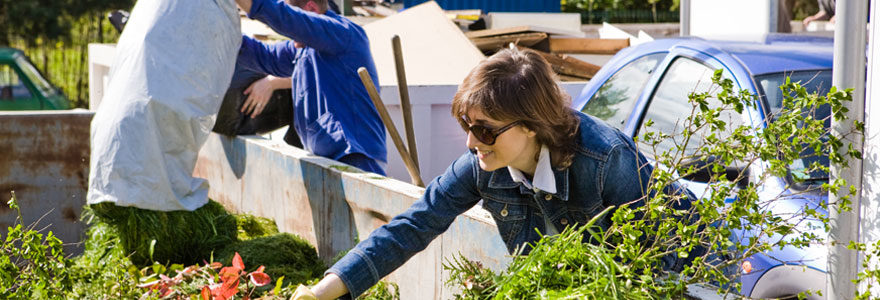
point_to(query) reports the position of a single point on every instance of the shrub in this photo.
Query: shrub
(32, 265)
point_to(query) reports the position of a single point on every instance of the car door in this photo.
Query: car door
(666, 104)
(15, 93)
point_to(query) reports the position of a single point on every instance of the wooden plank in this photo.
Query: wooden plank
(501, 41)
(563, 21)
(571, 66)
(589, 68)
(384, 11)
(587, 46)
(375, 10)
(361, 10)
(521, 29)
(564, 77)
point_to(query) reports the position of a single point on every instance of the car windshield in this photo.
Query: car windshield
(815, 81)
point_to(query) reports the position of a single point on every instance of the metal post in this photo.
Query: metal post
(684, 18)
(773, 25)
(870, 222)
(849, 72)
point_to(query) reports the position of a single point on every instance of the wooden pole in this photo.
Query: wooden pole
(392, 131)
(404, 100)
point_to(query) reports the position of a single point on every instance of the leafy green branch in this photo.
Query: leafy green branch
(742, 175)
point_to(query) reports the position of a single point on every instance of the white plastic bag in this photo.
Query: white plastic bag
(173, 64)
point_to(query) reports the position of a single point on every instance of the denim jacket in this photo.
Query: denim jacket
(607, 170)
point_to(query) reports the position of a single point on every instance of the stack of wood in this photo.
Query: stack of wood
(554, 45)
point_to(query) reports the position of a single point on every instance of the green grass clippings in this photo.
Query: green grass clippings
(282, 254)
(250, 226)
(185, 237)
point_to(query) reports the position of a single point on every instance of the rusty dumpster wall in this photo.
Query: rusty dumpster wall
(332, 206)
(46, 163)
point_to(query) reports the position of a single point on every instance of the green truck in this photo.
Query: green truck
(22, 87)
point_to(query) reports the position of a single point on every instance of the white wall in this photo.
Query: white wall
(726, 18)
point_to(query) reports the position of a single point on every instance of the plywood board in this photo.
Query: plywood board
(435, 51)
(587, 46)
(570, 22)
(522, 29)
(501, 41)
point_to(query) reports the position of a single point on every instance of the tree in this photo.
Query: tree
(36, 20)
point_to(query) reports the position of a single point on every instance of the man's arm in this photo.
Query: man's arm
(274, 59)
(317, 31)
(821, 15)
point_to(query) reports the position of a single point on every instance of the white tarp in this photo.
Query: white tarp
(173, 64)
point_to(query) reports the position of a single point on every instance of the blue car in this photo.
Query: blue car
(653, 80)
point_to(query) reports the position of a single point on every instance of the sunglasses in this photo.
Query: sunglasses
(484, 134)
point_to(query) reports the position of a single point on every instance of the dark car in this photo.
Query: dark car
(652, 81)
(22, 87)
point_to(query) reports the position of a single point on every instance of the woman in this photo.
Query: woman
(535, 163)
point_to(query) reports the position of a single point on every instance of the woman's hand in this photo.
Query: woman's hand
(260, 92)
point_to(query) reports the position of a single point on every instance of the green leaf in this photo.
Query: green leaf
(278, 283)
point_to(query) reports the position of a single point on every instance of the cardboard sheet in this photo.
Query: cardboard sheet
(435, 51)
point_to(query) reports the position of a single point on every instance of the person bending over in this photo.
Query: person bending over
(537, 165)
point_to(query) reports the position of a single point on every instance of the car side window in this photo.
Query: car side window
(29, 71)
(614, 100)
(11, 86)
(669, 105)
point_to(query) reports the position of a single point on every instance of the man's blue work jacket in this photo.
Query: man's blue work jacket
(607, 170)
(333, 113)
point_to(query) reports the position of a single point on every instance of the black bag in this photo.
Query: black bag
(277, 113)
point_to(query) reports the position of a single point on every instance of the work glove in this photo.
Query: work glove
(303, 293)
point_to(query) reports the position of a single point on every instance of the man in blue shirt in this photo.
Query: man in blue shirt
(332, 111)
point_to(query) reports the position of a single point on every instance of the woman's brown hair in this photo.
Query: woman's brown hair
(518, 84)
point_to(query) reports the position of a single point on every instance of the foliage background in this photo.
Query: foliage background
(55, 35)
(653, 11)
